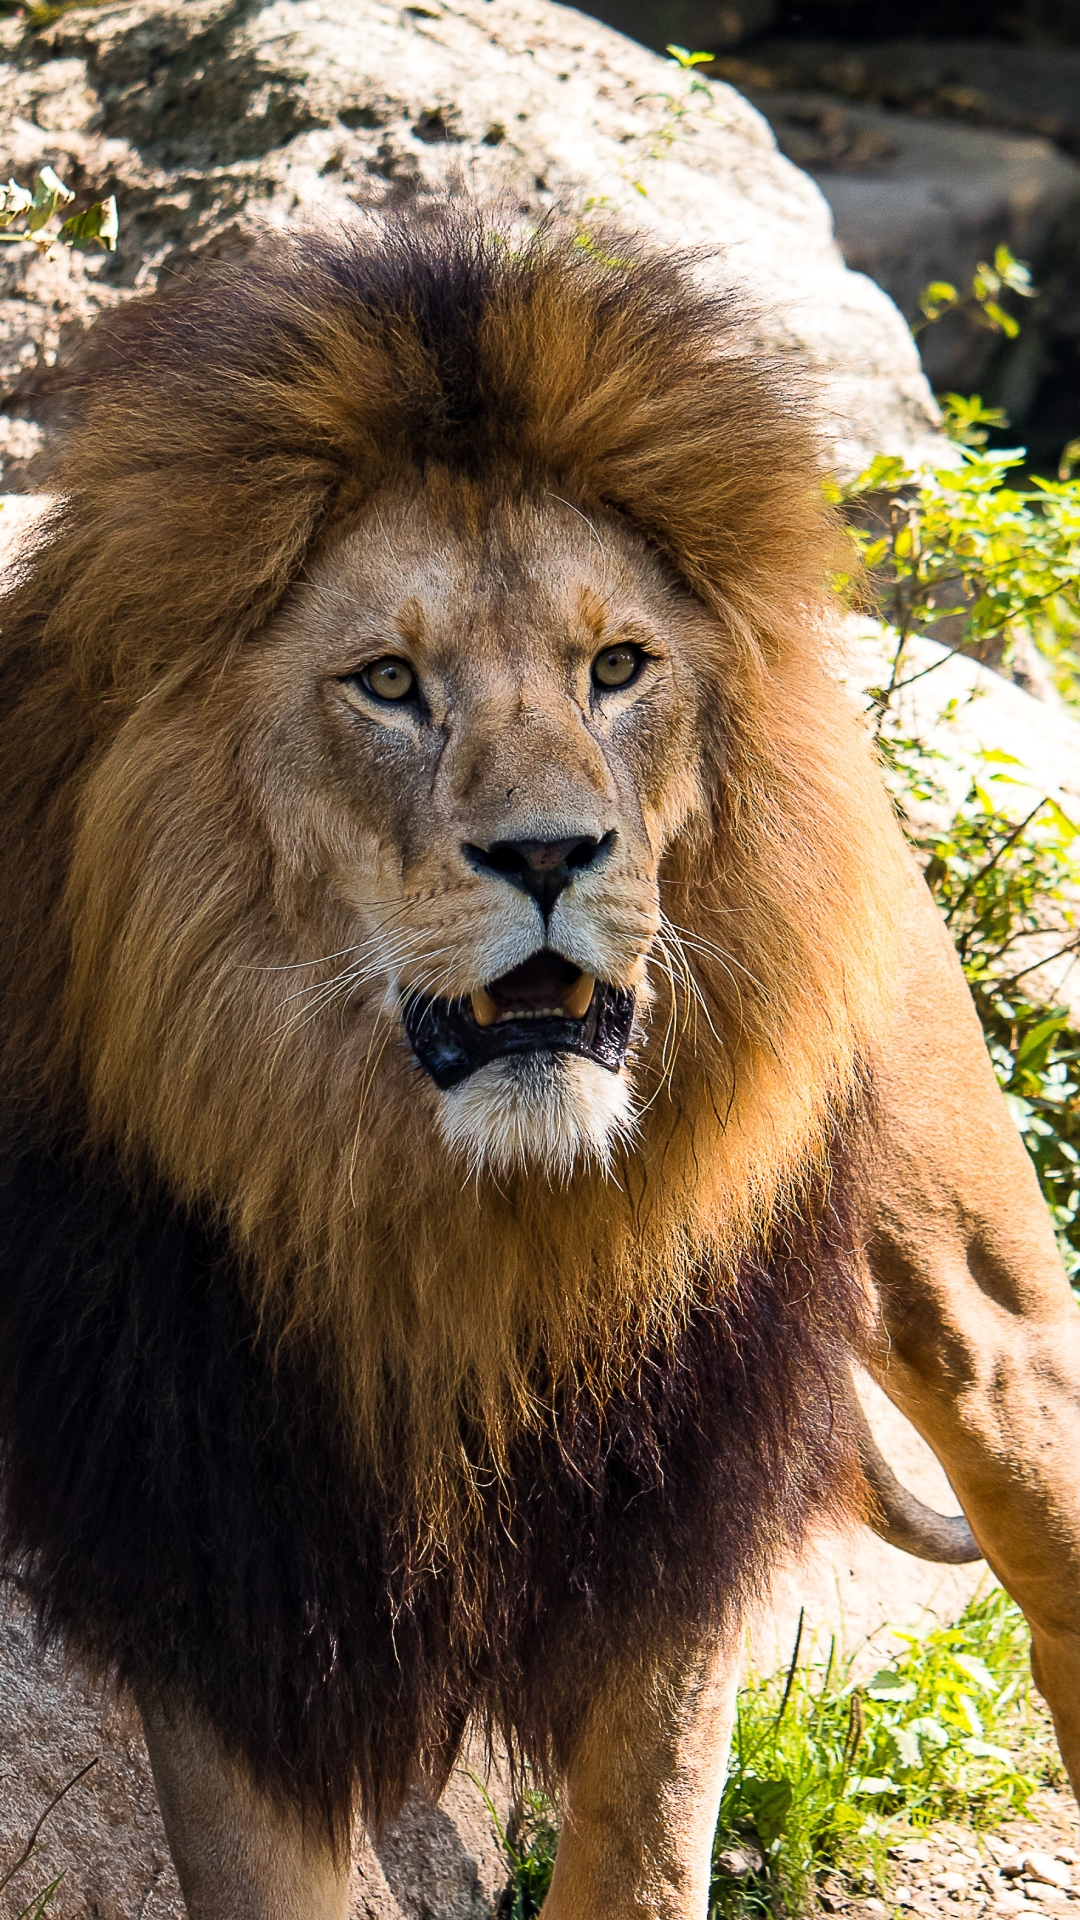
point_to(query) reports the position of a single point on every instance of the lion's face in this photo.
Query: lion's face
(480, 741)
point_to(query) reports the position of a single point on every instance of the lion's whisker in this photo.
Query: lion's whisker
(349, 981)
(711, 951)
(294, 966)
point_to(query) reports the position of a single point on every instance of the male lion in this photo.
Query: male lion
(478, 1062)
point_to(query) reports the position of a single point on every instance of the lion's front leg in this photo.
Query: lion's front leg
(644, 1787)
(238, 1855)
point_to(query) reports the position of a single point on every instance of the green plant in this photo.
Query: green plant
(826, 1769)
(957, 555)
(40, 13)
(982, 300)
(31, 213)
(1000, 881)
(528, 1841)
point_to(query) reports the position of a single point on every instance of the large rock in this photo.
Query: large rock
(211, 118)
(981, 83)
(917, 199)
(106, 1838)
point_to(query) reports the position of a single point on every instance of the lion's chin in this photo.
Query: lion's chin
(549, 1113)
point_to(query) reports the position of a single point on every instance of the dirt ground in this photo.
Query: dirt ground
(954, 1871)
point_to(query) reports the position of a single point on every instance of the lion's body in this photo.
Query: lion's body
(346, 1394)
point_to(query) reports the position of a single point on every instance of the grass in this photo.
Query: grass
(828, 1771)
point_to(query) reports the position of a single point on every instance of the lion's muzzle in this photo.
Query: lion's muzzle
(540, 1006)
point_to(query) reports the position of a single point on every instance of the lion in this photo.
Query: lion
(479, 1061)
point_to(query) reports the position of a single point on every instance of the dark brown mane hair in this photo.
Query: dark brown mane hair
(635, 1410)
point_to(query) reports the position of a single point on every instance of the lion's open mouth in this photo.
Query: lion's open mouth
(546, 1004)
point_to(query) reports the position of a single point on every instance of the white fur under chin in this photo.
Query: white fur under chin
(538, 1112)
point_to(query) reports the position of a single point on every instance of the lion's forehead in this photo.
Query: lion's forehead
(533, 583)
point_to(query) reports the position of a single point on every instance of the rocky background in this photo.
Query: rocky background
(936, 129)
(210, 119)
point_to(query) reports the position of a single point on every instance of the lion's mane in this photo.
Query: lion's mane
(331, 1446)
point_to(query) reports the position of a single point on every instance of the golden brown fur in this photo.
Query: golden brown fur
(205, 485)
(322, 1427)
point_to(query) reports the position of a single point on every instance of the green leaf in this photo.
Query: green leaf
(937, 297)
(49, 188)
(14, 201)
(976, 1670)
(49, 193)
(985, 1750)
(908, 1750)
(1068, 828)
(768, 1802)
(1001, 321)
(889, 1684)
(684, 58)
(97, 226)
(1014, 273)
(1038, 1039)
(927, 1728)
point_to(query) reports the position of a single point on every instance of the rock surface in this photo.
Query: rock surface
(916, 200)
(930, 152)
(212, 118)
(982, 83)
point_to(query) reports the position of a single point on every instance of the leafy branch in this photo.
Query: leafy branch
(958, 555)
(34, 213)
(982, 300)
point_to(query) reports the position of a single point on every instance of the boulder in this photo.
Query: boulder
(104, 1839)
(981, 83)
(917, 199)
(214, 119)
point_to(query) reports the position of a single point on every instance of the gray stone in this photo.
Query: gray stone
(916, 200)
(211, 119)
(983, 83)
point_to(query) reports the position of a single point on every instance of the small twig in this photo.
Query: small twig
(961, 647)
(1010, 979)
(791, 1670)
(989, 865)
(54, 1802)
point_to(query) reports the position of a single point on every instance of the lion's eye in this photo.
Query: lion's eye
(617, 666)
(388, 679)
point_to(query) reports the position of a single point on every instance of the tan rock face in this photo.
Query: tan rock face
(211, 118)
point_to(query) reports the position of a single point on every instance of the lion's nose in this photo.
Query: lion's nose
(543, 868)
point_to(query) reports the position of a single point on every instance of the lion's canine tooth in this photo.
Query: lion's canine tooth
(485, 1012)
(578, 1000)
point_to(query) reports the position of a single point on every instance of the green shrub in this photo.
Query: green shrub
(959, 556)
(825, 1770)
(34, 213)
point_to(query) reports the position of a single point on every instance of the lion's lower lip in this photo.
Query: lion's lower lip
(453, 1038)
